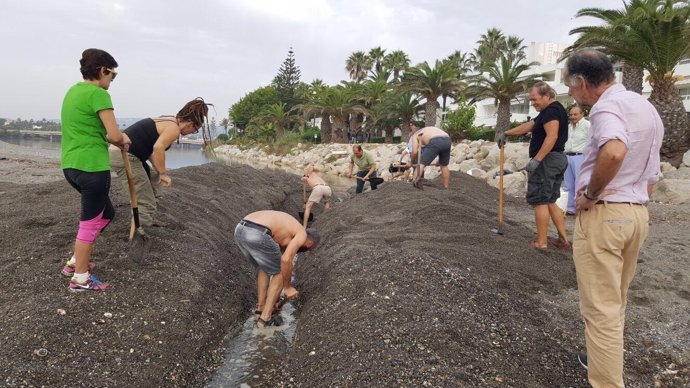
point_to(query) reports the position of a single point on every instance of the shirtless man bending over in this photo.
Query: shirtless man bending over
(270, 240)
(435, 142)
(319, 190)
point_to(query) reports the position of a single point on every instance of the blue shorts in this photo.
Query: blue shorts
(544, 185)
(259, 247)
(438, 146)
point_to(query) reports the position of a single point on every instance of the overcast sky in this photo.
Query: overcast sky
(172, 51)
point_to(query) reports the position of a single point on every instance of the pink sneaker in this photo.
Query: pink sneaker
(68, 270)
(92, 284)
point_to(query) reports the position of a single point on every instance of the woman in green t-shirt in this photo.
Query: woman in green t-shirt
(88, 125)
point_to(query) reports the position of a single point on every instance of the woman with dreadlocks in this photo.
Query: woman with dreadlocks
(151, 137)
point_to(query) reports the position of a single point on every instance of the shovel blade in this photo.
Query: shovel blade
(139, 247)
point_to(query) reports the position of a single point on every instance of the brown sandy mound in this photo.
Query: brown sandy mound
(409, 288)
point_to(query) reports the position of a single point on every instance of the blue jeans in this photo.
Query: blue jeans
(574, 163)
(360, 183)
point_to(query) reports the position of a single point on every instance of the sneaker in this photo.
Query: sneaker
(68, 270)
(582, 357)
(93, 284)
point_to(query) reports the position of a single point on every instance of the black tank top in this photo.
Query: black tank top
(144, 135)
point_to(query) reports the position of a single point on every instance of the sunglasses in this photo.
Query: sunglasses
(113, 72)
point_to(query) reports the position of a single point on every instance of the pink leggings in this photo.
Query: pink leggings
(88, 230)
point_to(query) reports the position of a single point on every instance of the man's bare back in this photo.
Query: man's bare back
(284, 226)
(427, 133)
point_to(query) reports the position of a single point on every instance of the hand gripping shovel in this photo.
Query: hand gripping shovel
(139, 241)
(501, 159)
(304, 195)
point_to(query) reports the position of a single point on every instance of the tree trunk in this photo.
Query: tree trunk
(503, 115)
(632, 78)
(339, 133)
(389, 135)
(280, 131)
(326, 129)
(668, 103)
(430, 112)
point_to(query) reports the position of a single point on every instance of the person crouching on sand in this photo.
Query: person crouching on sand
(270, 240)
(151, 137)
(319, 190)
(88, 125)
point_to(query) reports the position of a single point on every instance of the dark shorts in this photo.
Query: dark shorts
(259, 248)
(544, 185)
(438, 146)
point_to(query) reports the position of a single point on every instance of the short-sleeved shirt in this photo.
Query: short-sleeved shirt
(364, 163)
(554, 111)
(84, 146)
(628, 117)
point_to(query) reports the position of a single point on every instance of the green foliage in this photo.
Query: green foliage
(377, 139)
(307, 134)
(331, 159)
(223, 137)
(459, 123)
(252, 104)
(287, 80)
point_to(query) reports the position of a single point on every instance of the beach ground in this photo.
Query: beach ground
(408, 288)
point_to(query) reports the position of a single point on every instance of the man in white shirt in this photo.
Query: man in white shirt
(577, 139)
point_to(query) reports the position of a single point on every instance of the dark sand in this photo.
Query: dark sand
(409, 288)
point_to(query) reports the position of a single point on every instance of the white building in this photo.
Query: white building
(546, 53)
(520, 108)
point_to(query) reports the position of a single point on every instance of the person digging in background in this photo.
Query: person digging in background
(151, 137)
(366, 168)
(270, 240)
(620, 167)
(319, 190)
(88, 125)
(434, 142)
(547, 163)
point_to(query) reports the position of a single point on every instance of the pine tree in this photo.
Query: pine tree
(287, 80)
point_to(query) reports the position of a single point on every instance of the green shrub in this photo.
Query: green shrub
(223, 137)
(377, 139)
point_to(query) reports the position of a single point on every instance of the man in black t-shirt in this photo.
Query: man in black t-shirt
(547, 162)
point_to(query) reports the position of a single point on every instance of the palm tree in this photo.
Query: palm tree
(490, 46)
(502, 80)
(462, 64)
(431, 83)
(597, 37)
(656, 38)
(405, 107)
(377, 55)
(337, 104)
(358, 65)
(277, 115)
(397, 62)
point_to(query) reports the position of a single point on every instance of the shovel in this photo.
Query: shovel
(301, 214)
(501, 159)
(139, 241)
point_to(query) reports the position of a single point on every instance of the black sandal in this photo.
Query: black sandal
(270, 322)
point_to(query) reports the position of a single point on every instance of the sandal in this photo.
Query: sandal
(276, 309)
(535, 245)
(417, 183)
(260, 323)
(561, 244)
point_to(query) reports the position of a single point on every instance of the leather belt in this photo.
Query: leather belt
(573, 153)
(256, 226)
(602, 202)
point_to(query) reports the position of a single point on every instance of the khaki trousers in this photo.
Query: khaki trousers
(607, 241)
(146, 200)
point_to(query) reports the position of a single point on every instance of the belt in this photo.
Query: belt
(573, 153)
(256, 226)
(618, 203)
